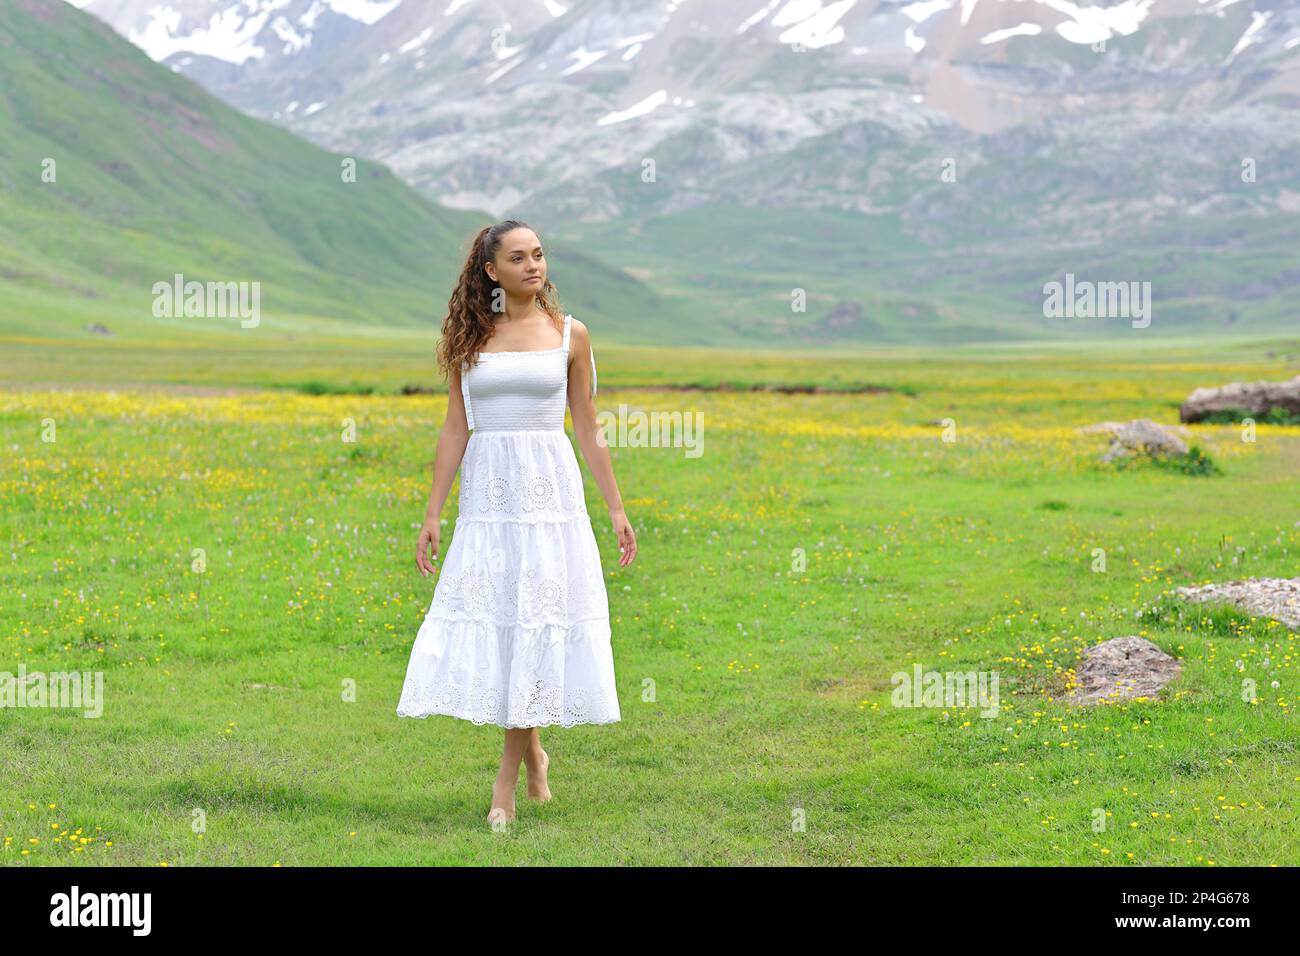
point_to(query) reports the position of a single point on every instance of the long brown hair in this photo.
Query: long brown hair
(470, 320)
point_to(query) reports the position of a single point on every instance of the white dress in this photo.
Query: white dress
(518, 632)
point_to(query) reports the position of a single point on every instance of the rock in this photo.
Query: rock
(1244, 398)
(1121, 669)
(96, 328)
(1138, 437)
(1278, 598)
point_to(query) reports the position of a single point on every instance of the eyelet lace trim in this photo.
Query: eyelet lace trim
(536, 704)
(531, 599)
(529, 495)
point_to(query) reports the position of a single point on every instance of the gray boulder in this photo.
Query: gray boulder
(1139, 437)
(1276, 598)
(1245, 398)
(1121, 669)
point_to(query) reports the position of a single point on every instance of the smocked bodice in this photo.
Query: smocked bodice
(519, 391)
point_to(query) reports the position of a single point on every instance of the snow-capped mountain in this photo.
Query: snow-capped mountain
(441, 89)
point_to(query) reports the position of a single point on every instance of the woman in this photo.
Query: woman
(518, 632)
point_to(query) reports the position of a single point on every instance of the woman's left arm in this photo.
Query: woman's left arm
(591, 438)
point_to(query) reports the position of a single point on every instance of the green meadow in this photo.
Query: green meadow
(193, 523)
(219, 524)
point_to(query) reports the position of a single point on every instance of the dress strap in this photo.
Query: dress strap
(464, 393)
(568, 319)
(593, 373)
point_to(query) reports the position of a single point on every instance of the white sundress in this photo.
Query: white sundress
(518, 632)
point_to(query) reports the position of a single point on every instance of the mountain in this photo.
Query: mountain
(968, 151)
(116, 173)
(596, 84)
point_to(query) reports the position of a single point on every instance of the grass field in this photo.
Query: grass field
(820, 544)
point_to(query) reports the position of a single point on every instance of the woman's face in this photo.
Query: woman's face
(520, 266)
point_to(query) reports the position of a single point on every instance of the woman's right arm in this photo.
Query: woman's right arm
(451, 449)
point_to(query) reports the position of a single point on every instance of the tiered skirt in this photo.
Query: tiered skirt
(518, 631)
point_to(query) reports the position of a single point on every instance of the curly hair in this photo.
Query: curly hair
(469, 322)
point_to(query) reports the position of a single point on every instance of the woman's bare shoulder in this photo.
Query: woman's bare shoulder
(578, 334)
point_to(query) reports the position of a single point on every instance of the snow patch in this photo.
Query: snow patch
(647, 105)
(920, 12)
(1088, 25)
(497, 74)
(293, 40)
(228, 36)
(818, 29)
(231, 34)
(416, 41)
(795, 11)
(308, 20)
(757, 16)
(584, 58)
(506, 52)
(368, 12)
(1020, 30)
(1257, 21)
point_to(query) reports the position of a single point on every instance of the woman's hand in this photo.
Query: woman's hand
(626, 538)
(426, 551)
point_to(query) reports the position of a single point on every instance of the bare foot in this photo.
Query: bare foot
(537, 786)
(503, 805)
